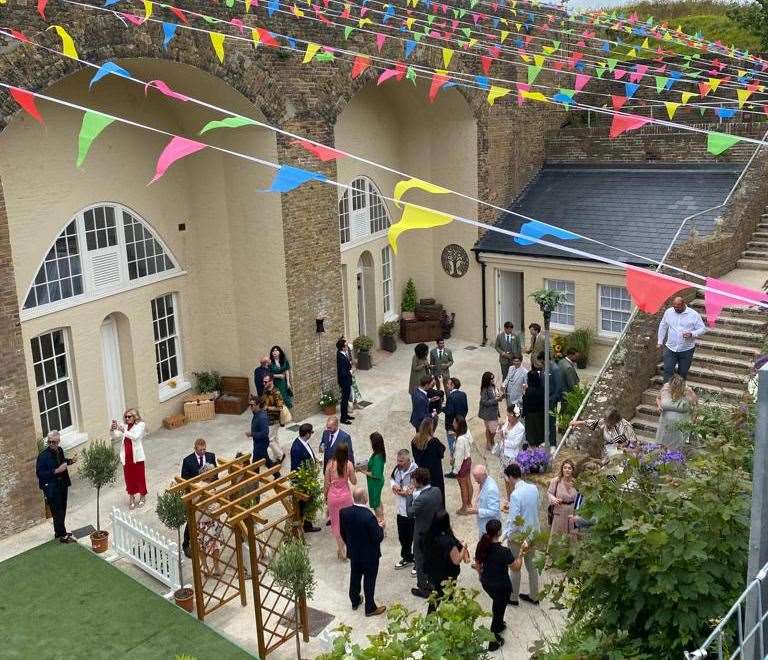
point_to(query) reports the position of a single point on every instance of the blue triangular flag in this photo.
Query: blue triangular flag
(482, 81)
(273, 6)
(536, 229)
(410, 45)
(291, 42)
(287, 178)
(388, 13)
(109, 3)
(169, 30)
(725, 113)
(107, 68)
(562, 98)
(630, 89)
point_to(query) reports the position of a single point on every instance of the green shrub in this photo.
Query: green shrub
(363, 343)
(328, 399)
(172, 512)
(307, 480)
(207, 381)
(388, 328)
(581, 339)
(573, 400)
(410, 298)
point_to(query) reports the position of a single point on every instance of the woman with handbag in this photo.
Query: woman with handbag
(562, 496)
(131, 437)
(280, 369)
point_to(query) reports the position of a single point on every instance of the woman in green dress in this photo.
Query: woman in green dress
(280, 369)
(375, 475)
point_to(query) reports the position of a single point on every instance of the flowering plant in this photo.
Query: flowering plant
(653, 456)
(533, 459)
(328, 399)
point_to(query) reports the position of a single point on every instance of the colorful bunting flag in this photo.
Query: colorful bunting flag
(163, 88)
(714, 302)
(322, 152)
(228, 122)
(402, 187)
(93, 124)
(41, 4)
(217, 39)
(107, 68)
(671, 107)
(360, 64)
(415, 218)
(169, 31)
(717, 143)
(581, 80)
(310, 53)
(439, 78)
(536, 229)
(67, 43)
(27, 102)
(649, 290)
(623, 123)
(177, 148)
(743, 95)
(447, 56)
(496, 92)
(288, 178)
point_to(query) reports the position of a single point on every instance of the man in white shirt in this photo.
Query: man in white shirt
(523, 503)
(401, 487)
(680, 325)
(514, 383)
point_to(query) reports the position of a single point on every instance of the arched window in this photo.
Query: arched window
(365, 215)
(104, 248)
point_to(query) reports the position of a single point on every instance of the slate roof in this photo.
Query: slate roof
(635, 208)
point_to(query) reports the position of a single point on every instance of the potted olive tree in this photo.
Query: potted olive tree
(292, 569)
(328, 401)
(172, 512)
(387, 332)
(363, 345)
(98, 466)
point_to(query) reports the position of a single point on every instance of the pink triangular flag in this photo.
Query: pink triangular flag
(714, 302)
(380, 39)
(649, 289)
(163, 88)
(618, 101)
(623, 123)
(177, 148)
(321, 151)
(581, 80)
(618, 74)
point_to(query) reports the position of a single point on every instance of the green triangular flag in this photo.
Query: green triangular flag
(209, 19)
(347, 31)
(702, 111)
(325, 57)
(230, 3)
(567, 92)
(717, 143)
(661, 83)
(430, 19)
(229, 122)
(417, 36)
(472, 3)
(93, 124)
(410, 74)
(467, 32)
(455, 13)
(611, 63)
(462, 12)
(533, 73)
(599, 71)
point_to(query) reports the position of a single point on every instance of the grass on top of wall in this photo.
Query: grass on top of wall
(62, 601)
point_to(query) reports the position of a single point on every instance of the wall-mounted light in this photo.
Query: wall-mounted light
(319, 325)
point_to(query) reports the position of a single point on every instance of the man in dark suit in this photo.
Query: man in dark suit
(420, 402)
(331, 437)
(568, 373)
(259, 432)
(259, 373)
(344, 374)
(507, 345)
(301, 452)
(455, 406)
(440, 363)
(555, 394)
(53, 479)
(191, 466)
(422, 505)
(362, 534)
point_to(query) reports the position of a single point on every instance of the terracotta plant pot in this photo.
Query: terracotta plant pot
(329, 410)
(185, 599)
(100, 541)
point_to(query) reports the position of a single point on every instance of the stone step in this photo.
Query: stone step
(752, 264)
(705, 390)
(644, 428)
(754, 254)
(729, 335)
(757, 244)
(707, 345)
(709, 360)
(647, 412)
(715, 375)
(751, 313)
(760, 235)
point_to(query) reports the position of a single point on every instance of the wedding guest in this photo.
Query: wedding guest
(301, 452)
(444, 554)
(676, 404)
(280, 369)
(494, 561)
(402, 488)
(259, 373)
(680, 326)
(259, 433)
(273, 403)
(332, 436)
(428, 453)
(463, 455)
(440, 363)
(374, 473)
(562, 495)
(536, 340)
(534, 408)
(422, 505)
(455, 405)
(339, 474)
(515, 382)
(191, 466)
(53, 479)
(488, 504)
(508, 346)
(419, 366)
(344, 377)
(355, 395)
(489, 407)
(615, 429)
(435, 397)
(523, 520)
(131, 437)
(510, 442)
(570, 376)
(420, 403)
(555, 394)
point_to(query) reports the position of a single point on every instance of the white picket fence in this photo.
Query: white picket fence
(147, 548)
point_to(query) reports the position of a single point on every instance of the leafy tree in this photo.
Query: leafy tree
(451, 631)
(409, 297)
(666, 555)
(172, 512)
(753, 18)
(307, 480)
(98, 466)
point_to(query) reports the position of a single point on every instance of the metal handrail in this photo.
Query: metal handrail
(632, 316)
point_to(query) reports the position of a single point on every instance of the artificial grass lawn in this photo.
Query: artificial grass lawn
(62, 601)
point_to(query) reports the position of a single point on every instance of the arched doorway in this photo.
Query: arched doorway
(366, 295)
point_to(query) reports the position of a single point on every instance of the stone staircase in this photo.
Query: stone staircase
(723, 359)
(755, 257)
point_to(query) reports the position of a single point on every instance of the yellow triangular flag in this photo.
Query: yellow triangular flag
(503, 34)
(472, 42)
(504, 21)
(217, 39)
(547, 50)
(524, 57)
(310, 52)
(518, 26)
(496, 93)
(248, 5)
(409, 22)
(632, 53)
(645, 44)
(686, 96)
(147, 9)
(364, 21)
(67, 44)
(447, 56)
(538, 60)
(743, 95)
(297, 12)
(742, 73)
(714, 83)
(402, 187)
(255, 36)
(671, 108)
(416, 218)
(534, 96)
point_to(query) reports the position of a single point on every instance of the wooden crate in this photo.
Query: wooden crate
(235, 392)
(174, 421)
(415, 331)
(198, 411)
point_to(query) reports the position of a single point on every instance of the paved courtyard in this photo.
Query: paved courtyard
(386, 387)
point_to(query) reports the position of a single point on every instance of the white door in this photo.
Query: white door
(113, 374)
(509, 299)
(360, 303)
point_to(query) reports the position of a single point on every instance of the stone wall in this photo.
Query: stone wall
(650, 144)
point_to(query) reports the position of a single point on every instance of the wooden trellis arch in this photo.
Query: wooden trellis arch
(238, 514)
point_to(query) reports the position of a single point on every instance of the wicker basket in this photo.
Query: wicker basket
(203, 396)
(197, 411)
(174, 421)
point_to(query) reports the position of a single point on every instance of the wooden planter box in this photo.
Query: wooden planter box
(412, 332)
(198, 411)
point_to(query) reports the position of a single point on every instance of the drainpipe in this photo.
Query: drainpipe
(482, 293)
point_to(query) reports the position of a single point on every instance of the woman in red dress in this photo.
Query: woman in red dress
(131, 436)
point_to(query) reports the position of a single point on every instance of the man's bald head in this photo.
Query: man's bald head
(360, 495)
(679, 304)
(479, 473)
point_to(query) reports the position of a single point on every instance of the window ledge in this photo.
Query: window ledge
(72, 439)
(391, 316)
(564, 328)
(165, 392)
